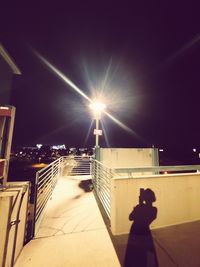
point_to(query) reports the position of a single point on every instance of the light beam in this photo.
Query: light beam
(105, 134)
(80, 92)
(88, 133)
(63, 77)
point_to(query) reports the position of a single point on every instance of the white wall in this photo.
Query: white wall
(9, 205)
(127, 157)
(5, 209)
(177, 199)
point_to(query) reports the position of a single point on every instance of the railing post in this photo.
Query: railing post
(52, 168)
(97, 176)
(59, 166)
(91, 163)
(35, 204)
(94, 171)
(62, 165)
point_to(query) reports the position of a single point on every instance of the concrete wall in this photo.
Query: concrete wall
(127, 157)
(177, 199)
(10, 200)
(5, 209)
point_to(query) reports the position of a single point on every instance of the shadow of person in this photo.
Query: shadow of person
(140, 251)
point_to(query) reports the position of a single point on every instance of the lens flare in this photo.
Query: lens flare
(121, 124)
(81, 93)
(88, 134)
(63, 77)
(184, 48)
(178, 54)
(105, 134)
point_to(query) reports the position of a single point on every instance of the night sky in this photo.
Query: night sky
(144, 57)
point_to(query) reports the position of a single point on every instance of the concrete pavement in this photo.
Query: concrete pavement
(174, 246)
(72, 232)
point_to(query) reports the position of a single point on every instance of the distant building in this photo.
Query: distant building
(8, 68)
(7, 113)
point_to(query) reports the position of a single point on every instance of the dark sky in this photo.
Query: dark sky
(148, 50)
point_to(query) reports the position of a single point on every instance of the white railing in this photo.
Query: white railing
(46, 179)
(157, 170)
(101, 178)
(102, 175)
(77, 165)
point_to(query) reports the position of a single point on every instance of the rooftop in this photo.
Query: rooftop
(75, 231)
(72, 232)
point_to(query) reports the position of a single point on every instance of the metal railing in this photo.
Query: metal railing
(77, 165)
(101, 178)
(46, 179)
(102, 175)
(157, 170)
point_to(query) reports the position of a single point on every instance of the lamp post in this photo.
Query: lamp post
(97, 108)
(97, 135)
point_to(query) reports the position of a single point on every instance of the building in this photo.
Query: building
(8, 68)
(7, 113)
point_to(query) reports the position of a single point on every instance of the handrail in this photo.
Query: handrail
(159, 169)
(77, 165)
(45, 182)
(49, 165)
(102, 164)
(101, 178)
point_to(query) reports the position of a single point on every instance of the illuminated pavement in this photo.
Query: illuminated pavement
(72, 232)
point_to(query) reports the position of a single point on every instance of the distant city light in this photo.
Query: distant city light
(161, 150)
(39, 146)
(39, 165)
(7, 108)
(58, 147)
(194, 150)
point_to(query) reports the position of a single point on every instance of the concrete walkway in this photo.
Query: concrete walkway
(174, 246)
(72, 232)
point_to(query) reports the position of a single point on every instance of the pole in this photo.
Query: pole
(97, 148)
(97, 136)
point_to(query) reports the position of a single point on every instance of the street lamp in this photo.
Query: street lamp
(97, 108)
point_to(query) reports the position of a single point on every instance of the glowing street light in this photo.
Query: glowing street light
(97, 108)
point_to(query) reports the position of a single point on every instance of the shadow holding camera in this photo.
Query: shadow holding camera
(140, 251)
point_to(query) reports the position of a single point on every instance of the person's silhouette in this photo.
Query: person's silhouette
(140, 250)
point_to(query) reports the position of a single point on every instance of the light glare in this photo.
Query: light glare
(97, 106)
